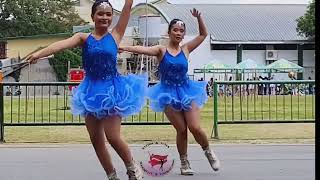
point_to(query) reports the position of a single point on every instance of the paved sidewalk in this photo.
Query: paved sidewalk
(79, 162)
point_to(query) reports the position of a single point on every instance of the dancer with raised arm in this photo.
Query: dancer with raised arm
(176, 95)
(104, 96)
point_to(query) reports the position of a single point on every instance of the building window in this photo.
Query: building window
(223, 47)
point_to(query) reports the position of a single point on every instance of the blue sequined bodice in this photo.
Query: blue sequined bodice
(173, 69)
(99, 57)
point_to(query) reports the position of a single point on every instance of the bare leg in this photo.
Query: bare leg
(97, 137)
(178, 121)
(180, 125)
(112, 126)
(193, 122)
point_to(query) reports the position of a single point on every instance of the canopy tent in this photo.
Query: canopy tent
(247, 69)
(284, 66)
(250, 65)
(214, 67)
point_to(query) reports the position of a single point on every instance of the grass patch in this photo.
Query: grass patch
(55, 109)
(251, 133)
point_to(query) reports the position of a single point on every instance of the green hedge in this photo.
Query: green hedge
(60, 62)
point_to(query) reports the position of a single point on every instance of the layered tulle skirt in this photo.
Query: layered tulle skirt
(120, 95)
(179, 97)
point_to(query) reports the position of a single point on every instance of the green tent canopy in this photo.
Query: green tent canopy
(283, 65)
(250, 65)
(214, 67)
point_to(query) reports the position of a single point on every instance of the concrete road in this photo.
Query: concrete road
(79, 162)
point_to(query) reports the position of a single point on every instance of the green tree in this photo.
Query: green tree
(306, 23)
(32, 17)
(60, 62)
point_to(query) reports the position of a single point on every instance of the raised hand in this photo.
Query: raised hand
(191, 45)
(195, 13)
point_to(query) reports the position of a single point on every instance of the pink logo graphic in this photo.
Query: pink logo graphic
(159, 160)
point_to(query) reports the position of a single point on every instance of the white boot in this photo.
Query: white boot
(185, 166)
(134, 172)
(113, 176)
(212, 158)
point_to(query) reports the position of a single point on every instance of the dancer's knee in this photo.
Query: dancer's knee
(195, 129)
(97, 140)
(114, 139)
(182, 131)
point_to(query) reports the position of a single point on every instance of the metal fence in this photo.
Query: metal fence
(235, 102)
(239, 102)
(48, 104)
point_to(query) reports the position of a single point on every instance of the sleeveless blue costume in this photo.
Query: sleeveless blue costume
(175, 88)
(104, 92)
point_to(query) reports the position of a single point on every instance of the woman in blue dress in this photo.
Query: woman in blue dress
(176, 95)
(104, 96)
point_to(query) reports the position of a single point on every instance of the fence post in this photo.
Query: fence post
(215, 110)
(1, 114)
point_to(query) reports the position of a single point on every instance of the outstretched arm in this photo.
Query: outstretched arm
(121, 26)
(75, 40)
(150, 51)
(193, 44)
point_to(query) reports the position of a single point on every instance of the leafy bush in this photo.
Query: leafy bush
(60, 62)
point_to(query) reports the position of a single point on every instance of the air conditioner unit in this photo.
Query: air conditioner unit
(271, 55)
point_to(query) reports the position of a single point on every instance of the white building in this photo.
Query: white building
(236, 32)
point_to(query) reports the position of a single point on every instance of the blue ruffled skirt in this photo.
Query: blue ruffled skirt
(178, 97)
(121, 95)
